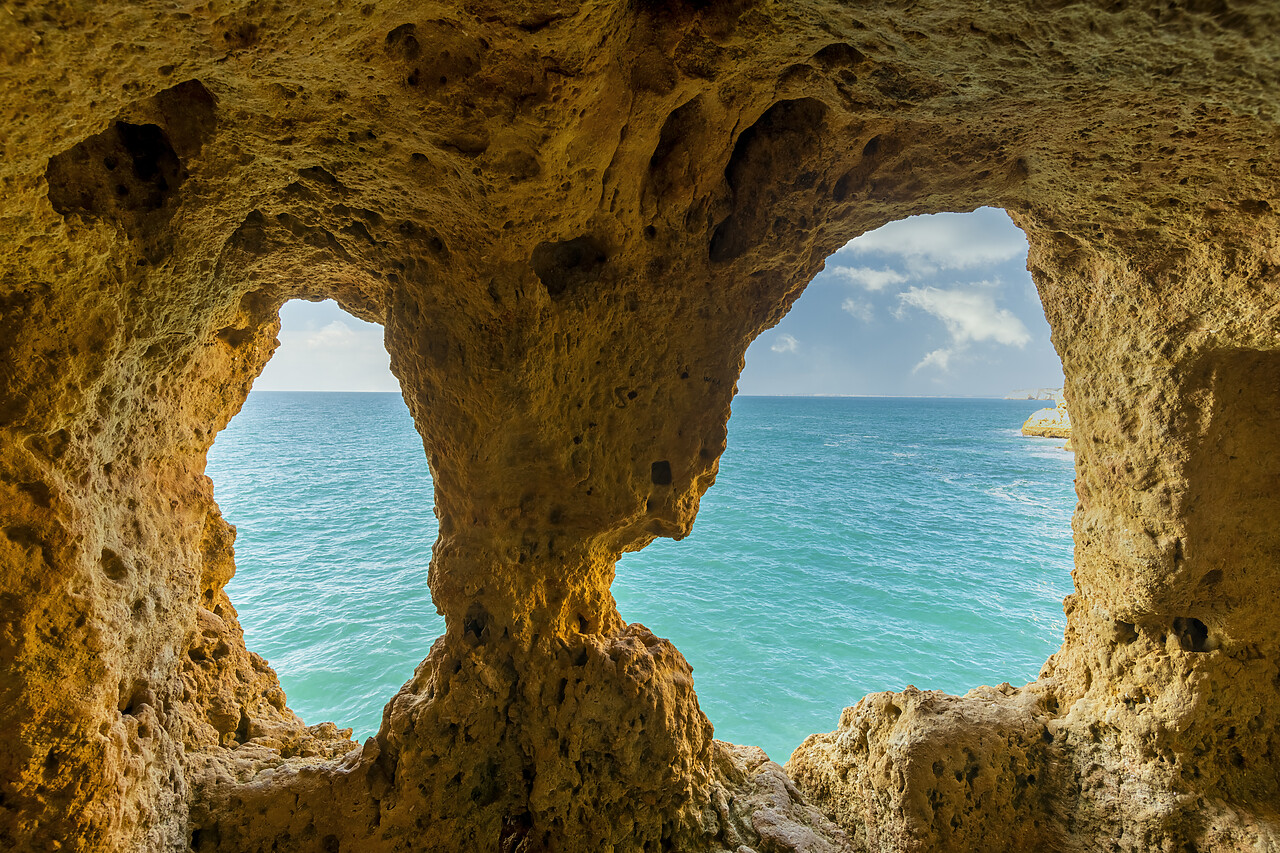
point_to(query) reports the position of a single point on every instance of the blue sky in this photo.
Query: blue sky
(930, 305)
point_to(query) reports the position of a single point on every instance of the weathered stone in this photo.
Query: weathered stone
(1049, 423)
(980, 767)
(572, 219)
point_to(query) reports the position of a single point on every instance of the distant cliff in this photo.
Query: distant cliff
(1034, 394)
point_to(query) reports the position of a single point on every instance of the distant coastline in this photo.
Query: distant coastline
(1035, 394)
(322, 391)
(885, 397)
(752, 396)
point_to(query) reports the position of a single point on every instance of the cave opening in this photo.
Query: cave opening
(324, 477)
(878, 519)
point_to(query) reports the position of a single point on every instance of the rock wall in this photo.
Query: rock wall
(572, 219)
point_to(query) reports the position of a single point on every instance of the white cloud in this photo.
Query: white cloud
(946, 240)
(857, 309)
(322, 348)
(868, 278)
(939, 358)
(336, 334)
(969, 315)
(785, 343)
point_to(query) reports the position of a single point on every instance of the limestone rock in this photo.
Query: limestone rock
(981, 767)
(1049, 423)
(572, 219)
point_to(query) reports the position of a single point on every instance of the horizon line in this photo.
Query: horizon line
(762, 396)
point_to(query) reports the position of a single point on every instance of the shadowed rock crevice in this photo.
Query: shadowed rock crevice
(770, 158)
(131, 173)
(568, 265)
(672, 171)
(124, 173)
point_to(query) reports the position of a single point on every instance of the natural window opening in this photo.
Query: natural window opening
(907, 535)
(324, 477)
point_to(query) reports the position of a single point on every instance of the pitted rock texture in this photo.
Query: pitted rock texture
(572, 219)
(972, 764)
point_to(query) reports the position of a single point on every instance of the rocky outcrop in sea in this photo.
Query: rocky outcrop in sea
(1049, 423)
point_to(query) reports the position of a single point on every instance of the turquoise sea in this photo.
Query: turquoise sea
(849, 545)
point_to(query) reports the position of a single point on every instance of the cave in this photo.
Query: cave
(844, 548)
(572, 220)
(332, 504)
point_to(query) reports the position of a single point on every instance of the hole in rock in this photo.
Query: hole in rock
(325, 479)
(568, 265)
(127, 171)
(474, 624)
(906, 535)
(131, 172)
(1193, 635)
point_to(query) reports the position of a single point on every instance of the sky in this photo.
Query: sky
(926, 306)
(323, 348)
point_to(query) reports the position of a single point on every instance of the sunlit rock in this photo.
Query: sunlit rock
(1049, 423)
(572, 219)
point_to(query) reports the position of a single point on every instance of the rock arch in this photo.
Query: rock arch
(572, 220)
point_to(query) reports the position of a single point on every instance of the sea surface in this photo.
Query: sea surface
(849, 545)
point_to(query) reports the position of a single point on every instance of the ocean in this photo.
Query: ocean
(849, 545)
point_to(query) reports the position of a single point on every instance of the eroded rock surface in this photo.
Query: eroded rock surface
(981, 768)
(572, 219)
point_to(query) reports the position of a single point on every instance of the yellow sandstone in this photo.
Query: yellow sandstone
(1049, 423)
(572, 218)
